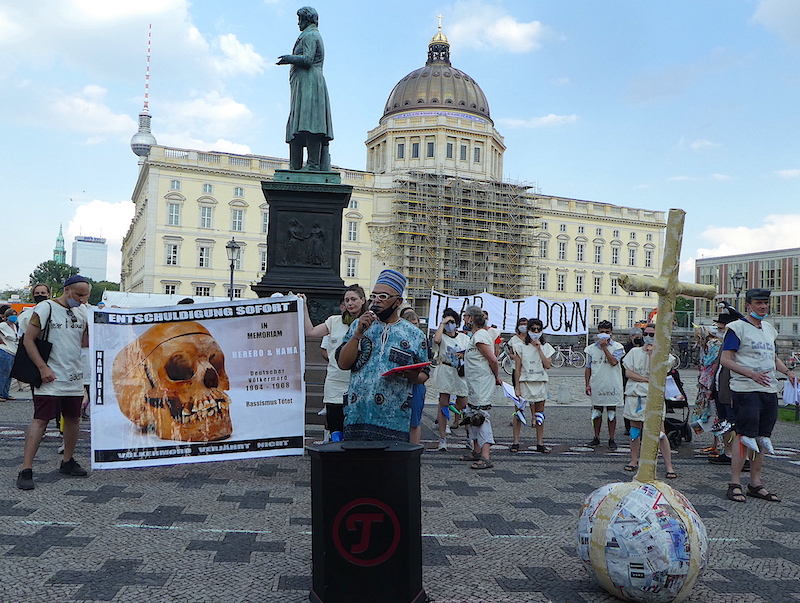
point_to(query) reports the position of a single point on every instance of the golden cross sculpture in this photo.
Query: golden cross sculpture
(668, 287)
(440, 17)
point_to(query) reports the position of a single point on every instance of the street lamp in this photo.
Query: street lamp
(233, 249)
(737, 282)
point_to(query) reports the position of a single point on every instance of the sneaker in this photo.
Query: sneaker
(442, 445)
(750, 443)
(766, 445)
(719, 459)
(594, 442)
(447, 429)
(61, 448)
(71, 467)
(25, 480)
(721, 427)
(612, 445)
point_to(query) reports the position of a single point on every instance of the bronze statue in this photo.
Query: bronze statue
(310, 125)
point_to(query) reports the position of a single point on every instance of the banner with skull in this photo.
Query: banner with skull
(207, 382)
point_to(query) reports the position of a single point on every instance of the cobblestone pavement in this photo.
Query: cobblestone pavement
(240, 531)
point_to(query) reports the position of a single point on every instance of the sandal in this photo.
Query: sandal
(671, 475)
(514, 448)
(631, 467)
(709, 449)
(762, 493)
(542, 449)
(735, 493)
(472, 456)
(482, 464)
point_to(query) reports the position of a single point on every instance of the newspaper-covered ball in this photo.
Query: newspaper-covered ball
(642, 542)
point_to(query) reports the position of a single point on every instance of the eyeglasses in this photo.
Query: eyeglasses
(381, 296)
(535, 330)
(72, 316)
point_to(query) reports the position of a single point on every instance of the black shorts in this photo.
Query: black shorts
(756, 413)
(725, 412)
(46, 407)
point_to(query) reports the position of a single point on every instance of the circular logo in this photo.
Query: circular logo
(366, 532)
(380, 398)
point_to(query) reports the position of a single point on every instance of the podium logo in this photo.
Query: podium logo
(366, 532)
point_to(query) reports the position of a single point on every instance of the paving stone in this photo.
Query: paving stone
(548, 505)
(460, 488)
(195, 480)
(496, 524)
(435, 553)
(164, 515)
(104, 584)
(8, 508)
(35, 545)
(103, 494)
(255, 499)
(235, 547)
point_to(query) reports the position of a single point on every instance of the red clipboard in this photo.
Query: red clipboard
(408, 367)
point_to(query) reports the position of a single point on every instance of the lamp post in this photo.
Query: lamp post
(233, 249)
(737, 282)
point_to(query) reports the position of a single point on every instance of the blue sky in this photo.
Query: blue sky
(648, 104)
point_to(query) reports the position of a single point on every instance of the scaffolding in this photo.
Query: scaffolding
(462, 236)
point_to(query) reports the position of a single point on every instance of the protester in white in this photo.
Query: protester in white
(604, 381)
(39, 293)
(448, 349)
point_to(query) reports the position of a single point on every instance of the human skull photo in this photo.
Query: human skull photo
(172, 379)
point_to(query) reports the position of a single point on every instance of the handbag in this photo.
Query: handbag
(24, 369)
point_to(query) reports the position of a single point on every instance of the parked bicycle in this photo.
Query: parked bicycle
(793, 360)
(566, 355)
(505, 360)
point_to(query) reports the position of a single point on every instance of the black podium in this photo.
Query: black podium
(366, 523)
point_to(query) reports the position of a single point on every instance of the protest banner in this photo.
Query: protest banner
(188, 384)
(559, 318)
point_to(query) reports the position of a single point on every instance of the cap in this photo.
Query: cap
(757, 294)
(393, 279)
(75, 279)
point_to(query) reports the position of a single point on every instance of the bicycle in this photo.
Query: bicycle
(793, 360)
(568, 356)
(505, 360)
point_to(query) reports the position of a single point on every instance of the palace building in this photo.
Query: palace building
(432, 203)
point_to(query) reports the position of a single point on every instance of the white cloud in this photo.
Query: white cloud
(485, 26)
(539, 122)
(698, 145)
(715, 177)
(788, 174)
(184, 141)
(237, 57)
(87, 112)
(561, 81)
(721, 177)
(780, 16)
(210, 116)
(103, 219)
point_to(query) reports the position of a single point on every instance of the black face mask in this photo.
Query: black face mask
(638, 341)
(39, 298)
(383, 315)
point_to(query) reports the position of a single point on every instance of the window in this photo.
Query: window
(633, 236)
(351, 265)
(415, 150)
(561, 282)
(352, 231)
(264, 222)
(237, 263)
(648, 293)
(598, 232)
(648, 258)
(614, 286)
(202, 291)
(544, 225)
(263, 260)
(401, 150)
(174, 185)
(615, 255)
(204, 257)
(598, 285)
(770, 274)
(208, 189)
(170, 289)
(430, 150)
(477, 154)
(449, 150)
(173, 214)
(580, 229)
(562, 228)
(578, 283)
(562, 250)
(353, 204)
(463, 155)
(543, 281)
(596, 315)
(237, 219)
(631, 294)
(238, 191)
(598, 254)
(649, 238)
(631, 257)
(172, 254)
(613, 315)
(237, 293)
(206, 216)
(616, 234)
(579, 252)
(543, 248)
(631, 318)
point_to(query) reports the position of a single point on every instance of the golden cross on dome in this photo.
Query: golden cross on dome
(440, 17)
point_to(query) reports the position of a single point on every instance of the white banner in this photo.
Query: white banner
(189, 384)
(559, 318)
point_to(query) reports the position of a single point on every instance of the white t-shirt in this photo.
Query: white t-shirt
(67, 326)
(480, 377)
(337, 381)
(531, 362)
(757, 353)
(605, 380)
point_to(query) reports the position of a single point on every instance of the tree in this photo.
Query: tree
(684, 312)
(99, 288)
(53, 274)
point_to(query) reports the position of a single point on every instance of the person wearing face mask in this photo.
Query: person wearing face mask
(517, 340)
(39, 293)
(532, 360)
(378, 407)
(448, 349)
(635, 340)
(749, 352)
(637, 367)
(337, 381)
(65, 319)
(604, 381)
(9, 339)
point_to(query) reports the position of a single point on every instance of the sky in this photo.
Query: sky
(656, 105)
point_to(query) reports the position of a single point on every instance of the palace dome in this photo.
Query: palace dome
(438, 85)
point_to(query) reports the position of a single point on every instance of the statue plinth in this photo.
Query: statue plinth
(304, 239)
